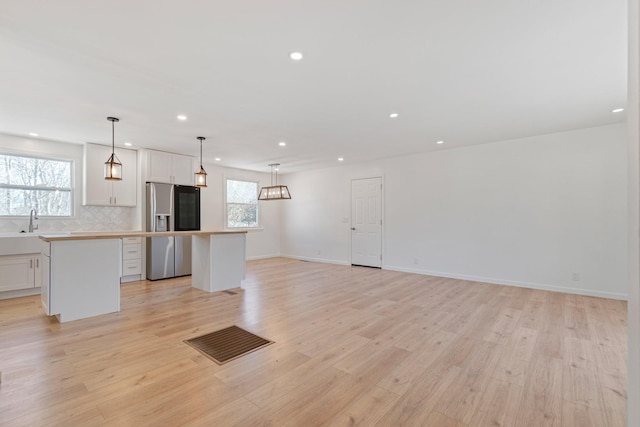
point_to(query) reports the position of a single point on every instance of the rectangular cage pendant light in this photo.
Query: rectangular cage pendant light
(274, 192)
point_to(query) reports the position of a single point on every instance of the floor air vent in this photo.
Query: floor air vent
(227, 344)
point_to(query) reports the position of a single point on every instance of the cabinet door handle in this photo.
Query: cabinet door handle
(115, 200)
(37, 262)
(31, 263)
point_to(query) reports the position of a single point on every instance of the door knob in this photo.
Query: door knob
(353, 228)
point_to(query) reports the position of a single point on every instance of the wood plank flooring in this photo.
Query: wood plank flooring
(353, 346)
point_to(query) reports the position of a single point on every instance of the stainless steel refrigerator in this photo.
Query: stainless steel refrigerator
(170, 208)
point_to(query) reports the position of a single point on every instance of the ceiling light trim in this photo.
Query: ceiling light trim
(296, 56)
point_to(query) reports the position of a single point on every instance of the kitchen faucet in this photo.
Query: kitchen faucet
(32, 215)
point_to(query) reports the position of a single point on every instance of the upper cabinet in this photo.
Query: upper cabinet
(169, 167)
(98, 191)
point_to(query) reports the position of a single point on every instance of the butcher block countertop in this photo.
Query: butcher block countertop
(53, 237)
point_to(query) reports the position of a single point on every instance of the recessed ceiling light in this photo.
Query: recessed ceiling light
(393, 115)
(282, 144)
(340, 159)
(128, 144)
(439, 142)
(296, 56)
(617, 110)
(182, 117)
(218, 159)
(33, 134)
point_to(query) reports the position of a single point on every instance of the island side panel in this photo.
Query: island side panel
(218, 261)
(200, 264)
(85, 278)
(228, 259)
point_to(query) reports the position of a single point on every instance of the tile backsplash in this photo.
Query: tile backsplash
(88, 218)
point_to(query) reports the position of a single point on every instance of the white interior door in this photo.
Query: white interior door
(366, 222)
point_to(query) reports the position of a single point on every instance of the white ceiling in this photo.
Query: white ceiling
(463, 71)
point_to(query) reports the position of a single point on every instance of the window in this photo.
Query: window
(35, 183)
(242, 204)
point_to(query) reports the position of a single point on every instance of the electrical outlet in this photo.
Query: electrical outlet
(416, 261)
(575, 277)
(319, 252)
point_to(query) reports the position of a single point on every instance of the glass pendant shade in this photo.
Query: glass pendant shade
(113, 167)
(274, 192)
(201, 175)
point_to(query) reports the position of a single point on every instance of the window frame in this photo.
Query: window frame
(226, 204)
(71, 189)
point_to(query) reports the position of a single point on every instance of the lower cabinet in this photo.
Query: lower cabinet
(20, 272)
(131, 259)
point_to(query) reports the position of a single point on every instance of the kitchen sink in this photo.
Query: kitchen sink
(19, 243)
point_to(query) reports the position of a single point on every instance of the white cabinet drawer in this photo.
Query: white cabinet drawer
(131, 252)
(131, 266)
(131, 240)
(131, 258)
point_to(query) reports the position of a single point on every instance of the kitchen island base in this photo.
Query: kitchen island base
(218, 261)
(81, 278)
(81, 272)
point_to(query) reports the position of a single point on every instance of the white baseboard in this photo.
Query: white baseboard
(543, 287)
(493, 281)
(253, 258)
(322, 260)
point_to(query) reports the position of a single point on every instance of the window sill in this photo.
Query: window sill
(248, 229)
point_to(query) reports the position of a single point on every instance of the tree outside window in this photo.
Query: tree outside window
(242, 204)
(35, 183)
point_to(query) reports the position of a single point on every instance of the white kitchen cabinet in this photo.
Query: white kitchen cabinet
(19, 272)
(170, 168)
(131, 259)
(98, 191)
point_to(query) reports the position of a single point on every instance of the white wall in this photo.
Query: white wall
(528, 212)
(633, 117)
(86, 218)
(261, 243)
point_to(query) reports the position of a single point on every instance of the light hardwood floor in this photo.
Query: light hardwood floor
(353, 346)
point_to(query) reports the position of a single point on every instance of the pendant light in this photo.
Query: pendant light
(113, 167)
(274, 192)
(201, 175)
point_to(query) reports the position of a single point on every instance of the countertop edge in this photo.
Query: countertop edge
(53, 237)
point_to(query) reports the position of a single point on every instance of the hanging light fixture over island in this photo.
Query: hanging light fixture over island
(113, 167)
(201, 175)
(274, 192)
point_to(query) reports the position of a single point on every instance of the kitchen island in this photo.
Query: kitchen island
(81, 271)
